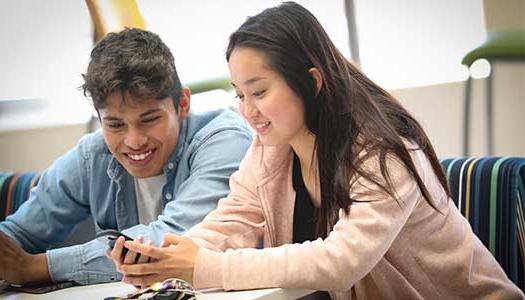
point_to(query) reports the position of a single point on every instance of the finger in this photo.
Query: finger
(173, 239)
(164, 244)
(131, 256)
(116, 253)
(144, 258)
(141, 269)
(151, 251)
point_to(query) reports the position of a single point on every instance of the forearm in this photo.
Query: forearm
(37, 269)
(84, 264)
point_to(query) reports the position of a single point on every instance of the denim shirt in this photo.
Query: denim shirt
(89, 181)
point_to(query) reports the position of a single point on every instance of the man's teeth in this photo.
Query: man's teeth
(261, 125)
(141, 156)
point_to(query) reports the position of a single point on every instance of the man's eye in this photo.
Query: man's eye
(149, 120)
(115, 125)
(240, 97)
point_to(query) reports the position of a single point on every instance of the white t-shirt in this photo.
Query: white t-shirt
(148, 192)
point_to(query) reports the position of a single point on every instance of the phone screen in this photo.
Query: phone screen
(39, 288)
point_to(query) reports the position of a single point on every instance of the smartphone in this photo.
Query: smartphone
(39, 288)
(109, 236)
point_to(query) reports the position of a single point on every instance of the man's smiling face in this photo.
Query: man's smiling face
(141, 134)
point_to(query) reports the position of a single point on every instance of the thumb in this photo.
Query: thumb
(171, 239)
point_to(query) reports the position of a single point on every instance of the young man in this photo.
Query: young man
(153, 168)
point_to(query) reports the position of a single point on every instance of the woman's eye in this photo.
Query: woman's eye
(259, 93)
(240, 97)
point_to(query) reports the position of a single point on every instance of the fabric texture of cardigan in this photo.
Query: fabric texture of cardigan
(383, 249)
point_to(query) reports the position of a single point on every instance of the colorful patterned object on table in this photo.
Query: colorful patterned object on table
(169, 289)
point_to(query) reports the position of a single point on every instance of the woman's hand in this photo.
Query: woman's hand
(174, 259)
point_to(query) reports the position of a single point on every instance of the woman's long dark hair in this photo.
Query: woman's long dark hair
(349, 112)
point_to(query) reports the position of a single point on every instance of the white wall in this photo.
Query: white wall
(440, 108)
(36, 149)
(45, 47)
(437, 107)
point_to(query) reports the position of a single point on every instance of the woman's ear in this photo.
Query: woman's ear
(317, 78)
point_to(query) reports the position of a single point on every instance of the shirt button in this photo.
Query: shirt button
(170, 166)
(168, 196)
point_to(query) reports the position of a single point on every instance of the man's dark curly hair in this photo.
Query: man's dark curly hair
(132, 60)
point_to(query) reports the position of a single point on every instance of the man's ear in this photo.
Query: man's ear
(314, 72)
(184, 103)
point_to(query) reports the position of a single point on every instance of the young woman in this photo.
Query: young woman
(341, 185)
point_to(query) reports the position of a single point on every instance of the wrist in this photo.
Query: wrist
(37, 269)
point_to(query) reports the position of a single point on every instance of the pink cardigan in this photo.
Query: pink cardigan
(382, 250)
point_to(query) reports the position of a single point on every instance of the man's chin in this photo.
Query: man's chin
(142, 172)
(145, 174)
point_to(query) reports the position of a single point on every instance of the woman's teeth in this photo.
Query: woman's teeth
(262, 125)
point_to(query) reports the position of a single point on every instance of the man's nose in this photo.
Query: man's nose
(135, 138)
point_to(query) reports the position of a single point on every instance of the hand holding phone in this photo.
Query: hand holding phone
(110, 236)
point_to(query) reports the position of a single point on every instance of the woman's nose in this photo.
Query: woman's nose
(250, 109)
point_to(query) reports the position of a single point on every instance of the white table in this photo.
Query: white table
(100, 291)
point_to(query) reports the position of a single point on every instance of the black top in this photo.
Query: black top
(304, 217)
(304, 210)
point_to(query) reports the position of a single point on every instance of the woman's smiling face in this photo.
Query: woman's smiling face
(266, 101)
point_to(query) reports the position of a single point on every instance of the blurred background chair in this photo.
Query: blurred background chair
(499, 46)
(114, 15)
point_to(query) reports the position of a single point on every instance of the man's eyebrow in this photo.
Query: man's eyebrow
(250, 81)
(144, 114)
(111, 118)
(149, 112)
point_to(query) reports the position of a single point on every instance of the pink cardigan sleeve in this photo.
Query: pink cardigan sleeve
(355, 245)
(237, 222)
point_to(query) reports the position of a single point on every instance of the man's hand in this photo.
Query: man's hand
(17, 266)
(121, 255)
(174, 259)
